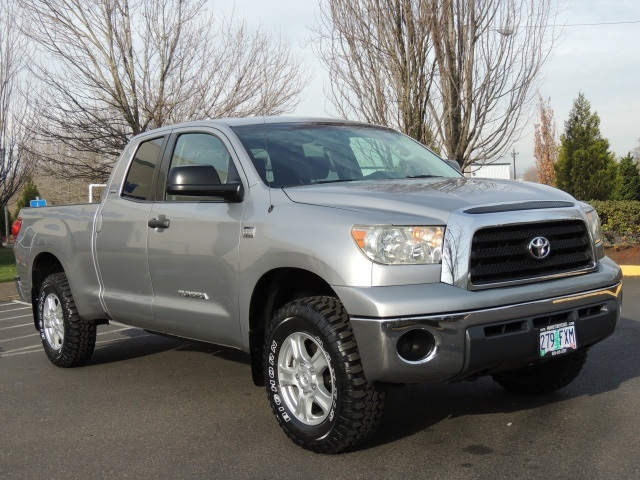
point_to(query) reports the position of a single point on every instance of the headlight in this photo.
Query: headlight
(594, 224)
(400, 245)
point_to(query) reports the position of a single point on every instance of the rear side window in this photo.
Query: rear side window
(139, 179)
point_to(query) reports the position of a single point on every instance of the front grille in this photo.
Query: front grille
(502, 254)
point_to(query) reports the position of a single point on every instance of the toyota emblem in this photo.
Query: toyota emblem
(539, 248)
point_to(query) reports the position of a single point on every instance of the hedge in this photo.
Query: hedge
(620, 221)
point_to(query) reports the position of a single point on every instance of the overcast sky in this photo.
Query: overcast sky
(603, 61)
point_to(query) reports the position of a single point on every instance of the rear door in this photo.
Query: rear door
(193, 262)
(122, 233)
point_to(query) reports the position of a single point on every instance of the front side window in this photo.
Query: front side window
(202, 149)
(139, 179)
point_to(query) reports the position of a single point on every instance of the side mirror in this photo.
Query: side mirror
(202, 181)
(455, 165)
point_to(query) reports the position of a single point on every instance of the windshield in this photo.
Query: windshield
(288, 154)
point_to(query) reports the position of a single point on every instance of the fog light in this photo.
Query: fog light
(416, 345)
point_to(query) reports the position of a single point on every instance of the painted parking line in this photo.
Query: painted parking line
(116, 340)
(19, 351)
(18, 326)
(15, 317)
(13, 309)
(3, 340)
(38, 347)
(14, 303)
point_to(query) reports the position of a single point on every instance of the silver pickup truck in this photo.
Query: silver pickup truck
(342, 257)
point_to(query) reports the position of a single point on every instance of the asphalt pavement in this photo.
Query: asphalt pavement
(154, 407)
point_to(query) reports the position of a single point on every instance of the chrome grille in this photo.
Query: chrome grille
(502, 254)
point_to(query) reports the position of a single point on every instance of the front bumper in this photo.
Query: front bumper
(473, 342)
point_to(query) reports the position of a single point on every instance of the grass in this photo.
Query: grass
(7, 265)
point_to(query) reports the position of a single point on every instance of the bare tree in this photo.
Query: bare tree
(13, 135)
(464, 71)
(116, 68)
(545, 148)
(72, 190)
(377, 55)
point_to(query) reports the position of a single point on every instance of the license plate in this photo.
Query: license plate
(558, 339)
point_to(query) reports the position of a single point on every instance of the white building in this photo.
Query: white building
(491, 170)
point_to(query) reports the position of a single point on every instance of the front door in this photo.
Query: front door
(193, 253)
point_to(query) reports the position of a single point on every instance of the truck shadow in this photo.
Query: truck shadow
(136, 343)
(133, 344)
(414, 408)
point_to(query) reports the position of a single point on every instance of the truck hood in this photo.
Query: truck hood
(407, 201)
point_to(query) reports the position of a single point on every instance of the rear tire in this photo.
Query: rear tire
(315, 380)
(67, 338)
(544, 378)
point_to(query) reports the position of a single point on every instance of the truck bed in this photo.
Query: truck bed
(67, 230)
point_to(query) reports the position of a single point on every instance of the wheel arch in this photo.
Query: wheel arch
(44, 264)
(275, 289)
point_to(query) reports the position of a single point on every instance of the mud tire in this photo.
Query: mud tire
(67, 338)
(345, 410)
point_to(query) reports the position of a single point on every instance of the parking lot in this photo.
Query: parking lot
(153, 407)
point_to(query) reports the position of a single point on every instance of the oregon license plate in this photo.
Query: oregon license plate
(558, 339)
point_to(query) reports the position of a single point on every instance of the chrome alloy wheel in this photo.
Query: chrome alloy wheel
(53, 321)
(307, 381)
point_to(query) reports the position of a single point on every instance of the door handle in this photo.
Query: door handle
(159, 223)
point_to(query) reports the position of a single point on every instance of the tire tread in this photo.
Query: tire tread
(80, 334)
(362, 407)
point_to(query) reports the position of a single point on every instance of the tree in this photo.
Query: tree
(635, 153)
(13, 135)
(456, 75)
(585, 167)
(121, 67)
(627, 185)
(377, 55)
(70, 191)
(531, 174)
(545, 148)
(29, 192)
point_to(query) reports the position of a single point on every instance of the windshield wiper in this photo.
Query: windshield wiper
(424, 176)
(336, 181)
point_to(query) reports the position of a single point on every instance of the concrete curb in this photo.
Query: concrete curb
(630, 270)
(8, 292)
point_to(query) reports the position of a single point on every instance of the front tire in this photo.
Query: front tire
(544, 378)
(67, 338)
(315, 380)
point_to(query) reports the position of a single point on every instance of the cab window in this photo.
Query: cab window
(139, 179)
(202, 149)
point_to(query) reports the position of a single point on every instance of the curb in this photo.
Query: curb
(630, 270)
(7, 298)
